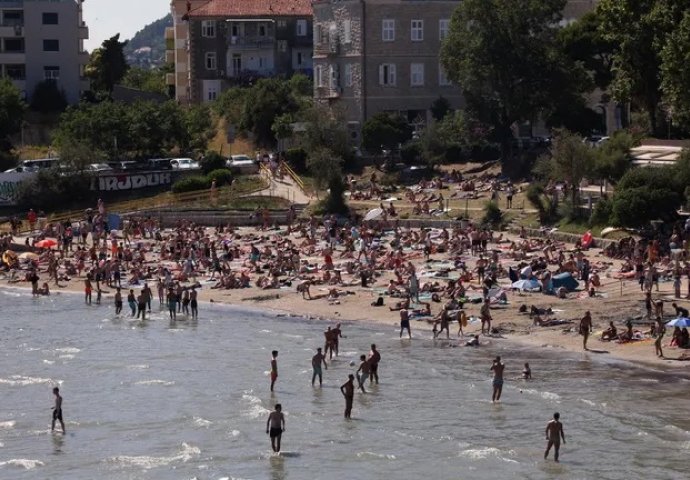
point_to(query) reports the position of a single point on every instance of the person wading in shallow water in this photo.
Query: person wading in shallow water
(497, 367)
(585, 328)
(275, 426)
(554, 434)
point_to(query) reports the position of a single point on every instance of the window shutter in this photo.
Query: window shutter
(391, 74)
(381, 77)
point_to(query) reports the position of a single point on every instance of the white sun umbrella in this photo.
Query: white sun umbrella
(373, 214)
(681, 322)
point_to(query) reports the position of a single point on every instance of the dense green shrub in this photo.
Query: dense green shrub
(410, 153)
(191, 184)
(48, 190)
(493, 216)
(635, 207)
(212, 161)
(601, 215)
(223, 176)
(297, 159)
(335, 201)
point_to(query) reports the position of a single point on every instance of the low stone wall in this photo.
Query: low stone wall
(210, 218)
(563, 236)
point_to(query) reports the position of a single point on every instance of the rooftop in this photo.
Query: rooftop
(253, 8)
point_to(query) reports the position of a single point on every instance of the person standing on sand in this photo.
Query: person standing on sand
(554, 434)
(660, 331)
(485, 315)
(405, 322)
(316, 361)
(497, 367)
(585, 328)
(275, 426)
(348, 391)
(57, 410)
(274, 368)
(374, 359)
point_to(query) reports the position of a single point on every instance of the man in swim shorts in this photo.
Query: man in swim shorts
(348, 391)
(374, 359)
(274, 368)
(554, 434)
(363, 372)
(497, 368)
(405, 322)
(275, 426)
(585, 328)
(57, 410)
(316, 361)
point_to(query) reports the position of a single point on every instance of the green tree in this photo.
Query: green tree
(613, 158)
(440, 108)
(212, 161)
(78, 156)
(324, 165)
(675, 72)
(453, 135)
(230, 104)
(48, 98)
(12, 110)
(504, 56)
(325, 127)
(385, 131)
(107, 65)
(147, 80)
(570, 160)
(198, 128)
(266, 100)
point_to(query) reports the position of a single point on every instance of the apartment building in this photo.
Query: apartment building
(374, 56)
(177, 50)
(44, 40)
(235, 42)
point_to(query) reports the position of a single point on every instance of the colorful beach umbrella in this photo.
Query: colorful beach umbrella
(681, 322)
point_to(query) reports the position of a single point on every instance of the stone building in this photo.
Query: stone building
(235, 42)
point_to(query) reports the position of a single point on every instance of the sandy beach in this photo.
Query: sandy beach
(615, 301)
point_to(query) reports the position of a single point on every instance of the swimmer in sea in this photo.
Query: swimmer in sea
(554, 434)
(274, 368)
(497, 367)
(316, 362)
(57, 410)
(527, 372)
(348, 391)
(275, 426)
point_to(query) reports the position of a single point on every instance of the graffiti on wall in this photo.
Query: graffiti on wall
(9, 186)
(130, 181)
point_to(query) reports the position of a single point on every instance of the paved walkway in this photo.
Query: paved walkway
(284, 188)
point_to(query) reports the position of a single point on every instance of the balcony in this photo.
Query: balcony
(170, 79)
(83, 31)
(170, 33)
(169, 56)
(327, 48)
(84, 57)
(11, 31)
(328, 92)
(251, 42)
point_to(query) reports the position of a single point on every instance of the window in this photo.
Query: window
(208, 28)
(282, 46)
(212, 94)
(387, 74)
(318, 76)
(51, 45)
(299, 59)
(14, 45)
(50, 18)
(301, 28)
(388, 30)
(347, 31)
(348, 75)
(417, 30)
(442, 77)
(334, 76)
(211, 63)
(51, 73)
(281, 23)
(263, 30)
(416, 74)
(443, 25)
(16, 72)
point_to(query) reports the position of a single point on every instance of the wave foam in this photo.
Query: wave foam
(23, 380)
(375, 455)
(24, 463)
(6, 425)
(187, 453)
(165, 383)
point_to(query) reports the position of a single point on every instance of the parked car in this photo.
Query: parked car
(128, 166)
(184, 164)
(160, 164)
(99, 167)
(242, 164)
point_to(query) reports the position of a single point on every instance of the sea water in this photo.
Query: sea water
(189, 400)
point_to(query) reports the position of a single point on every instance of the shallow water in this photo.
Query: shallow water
(155, 401)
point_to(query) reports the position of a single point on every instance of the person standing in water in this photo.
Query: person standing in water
(348, 391)
(405, 322)
(274, 368)
(275, 426)
(132, 302)
(374, 359)
(87, 289)
(363, 372)
(172, 304)
(118, 301)
(193, 304)
(57, 410)
(141, 305)
(585, 328)
(316, 362)
(497, 368)
(554, 434)
(148, 294)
